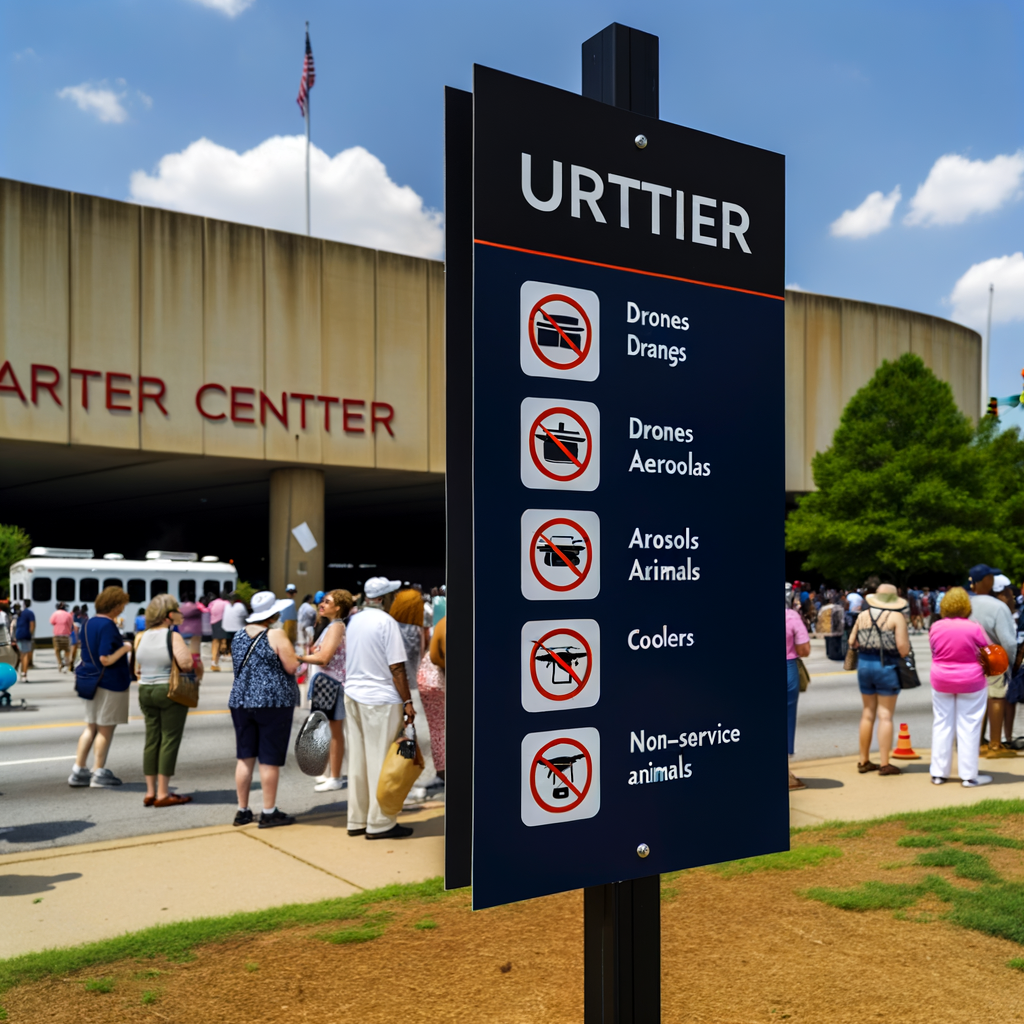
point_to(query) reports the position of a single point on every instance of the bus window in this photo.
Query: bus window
(157, 587)
(186, 589)
(137, 591)
(112, 583)
(88, 589)
(229, 586)
(41, 588)
(211, 587)
(65, 589)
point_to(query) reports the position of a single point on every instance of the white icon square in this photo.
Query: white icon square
(559, 446)
(560, 664)
(561, 776)
(559, 331)
(560, 554)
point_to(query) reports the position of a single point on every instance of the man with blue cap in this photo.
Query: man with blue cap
(995, 617)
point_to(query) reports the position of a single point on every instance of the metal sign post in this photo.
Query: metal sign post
(610, 277)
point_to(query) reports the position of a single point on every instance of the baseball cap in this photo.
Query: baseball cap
(290, 587)
(1001, 582)
(378, 586)
(318, 596)
(980, 571)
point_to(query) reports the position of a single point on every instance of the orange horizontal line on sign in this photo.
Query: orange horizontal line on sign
(629, 270)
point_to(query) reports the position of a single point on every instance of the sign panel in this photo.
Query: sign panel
(628, 450)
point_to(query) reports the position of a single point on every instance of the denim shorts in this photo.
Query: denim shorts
(875, 678)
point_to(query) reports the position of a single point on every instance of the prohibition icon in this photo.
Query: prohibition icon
(561, 664)
(560, 331)
(558, 761)
(561, 444)
(561, 550)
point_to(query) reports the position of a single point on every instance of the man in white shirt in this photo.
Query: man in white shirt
(377, 701)
(855, 602)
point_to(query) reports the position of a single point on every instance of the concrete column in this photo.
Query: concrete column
(296, 497)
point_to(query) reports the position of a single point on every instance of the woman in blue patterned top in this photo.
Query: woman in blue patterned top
(262, 701)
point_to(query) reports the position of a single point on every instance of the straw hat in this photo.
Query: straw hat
(886, 597)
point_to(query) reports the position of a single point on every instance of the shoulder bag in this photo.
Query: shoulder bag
(906, 669)
(183, 687)
(805, 676)
(87, 679)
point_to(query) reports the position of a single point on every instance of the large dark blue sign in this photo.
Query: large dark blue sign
(627, 463)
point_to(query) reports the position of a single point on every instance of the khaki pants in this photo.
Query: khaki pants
(371, 729)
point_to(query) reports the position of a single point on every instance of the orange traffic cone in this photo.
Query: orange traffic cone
(903, 748)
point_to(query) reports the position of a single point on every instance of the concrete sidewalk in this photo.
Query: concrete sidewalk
(99, 890)
(70, 895)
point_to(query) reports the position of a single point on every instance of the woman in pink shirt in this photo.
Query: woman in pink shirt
(62, 623)
(798, 645)
(959, 690)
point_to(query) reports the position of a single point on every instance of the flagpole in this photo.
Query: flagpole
(308, 97)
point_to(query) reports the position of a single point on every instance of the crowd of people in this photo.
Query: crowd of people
(976, 636)
(358, 658)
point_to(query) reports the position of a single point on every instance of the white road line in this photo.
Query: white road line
(37, 760)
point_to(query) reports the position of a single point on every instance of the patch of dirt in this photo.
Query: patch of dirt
(746, 949)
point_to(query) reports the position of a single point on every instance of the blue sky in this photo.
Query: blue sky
(861, 98)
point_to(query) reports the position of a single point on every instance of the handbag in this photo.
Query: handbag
(401, 769)
(313, 744)
(805, 676)
(86, 683)
(183, 687)
(323, 694)
(850, 661)
(906, 669)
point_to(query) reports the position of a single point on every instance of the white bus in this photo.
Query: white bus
(75, 576)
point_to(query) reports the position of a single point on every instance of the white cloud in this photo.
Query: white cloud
(104, 103)
(232, 8)
(956, 188)
(872, 216)
(353, 199)
(146, 101)
(794, 287)
(969, 297)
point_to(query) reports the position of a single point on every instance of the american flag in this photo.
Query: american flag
(308, 77)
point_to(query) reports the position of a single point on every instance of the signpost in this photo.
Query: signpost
(616, 514)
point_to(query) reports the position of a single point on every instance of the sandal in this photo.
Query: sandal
(148, 801)
(172, 800)
(795, 783)
(889, 769)
(867, 766)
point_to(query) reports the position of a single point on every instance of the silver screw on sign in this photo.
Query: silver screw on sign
(641, 143)
(643, 849)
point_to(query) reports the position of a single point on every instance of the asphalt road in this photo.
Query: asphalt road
(38, 809)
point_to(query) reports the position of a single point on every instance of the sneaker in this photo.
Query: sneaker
(398, 832)
(937, 780)
(79, 777)
(322, 778)
(275, 819)
(243, 817)
(102, 778)
(329, 784)
(981, 780)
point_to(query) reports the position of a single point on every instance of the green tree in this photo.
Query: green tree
(903, 490)
(1002, 455)
(14, 545)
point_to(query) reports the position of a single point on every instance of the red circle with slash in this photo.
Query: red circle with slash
(581, 352)
(580, 794)
(581, 574)
(581, 467)
(580, 683)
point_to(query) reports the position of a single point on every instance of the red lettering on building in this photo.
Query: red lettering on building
(385, 419)
(112, 391)
(199, 402)
(282, 416)
(346, 416)
(303, 399)
(45, 385)
(85, 375)
(153, 396)
(236, 405)
(14, 386)
(327, 400)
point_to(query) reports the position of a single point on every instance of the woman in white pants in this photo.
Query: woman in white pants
(959, 691)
